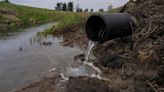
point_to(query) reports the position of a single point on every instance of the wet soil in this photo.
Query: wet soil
(87, 84)
(74, 35)
(74, 84)
(48, 84)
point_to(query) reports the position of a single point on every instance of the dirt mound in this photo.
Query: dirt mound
(140, 54)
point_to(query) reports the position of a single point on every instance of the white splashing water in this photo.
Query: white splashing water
(82, 70)
(99, 77)
(64, 78)
(94, 67)
(79, 71)
(91, 45)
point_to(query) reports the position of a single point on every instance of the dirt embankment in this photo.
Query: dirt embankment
(132, 64)
(137, 62)
(8, 19)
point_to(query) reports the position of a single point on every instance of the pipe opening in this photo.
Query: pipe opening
(95, 27)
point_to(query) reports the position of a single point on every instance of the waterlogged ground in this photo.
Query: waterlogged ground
(25, 58)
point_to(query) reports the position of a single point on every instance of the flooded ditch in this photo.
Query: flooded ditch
(25, 58)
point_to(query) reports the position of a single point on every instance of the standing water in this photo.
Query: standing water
(24, 58)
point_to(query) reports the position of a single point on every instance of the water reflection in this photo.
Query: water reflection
(24, 57)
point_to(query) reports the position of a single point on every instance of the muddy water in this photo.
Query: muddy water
(23, 61)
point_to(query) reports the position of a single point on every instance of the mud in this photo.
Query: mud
(48, 84)
(73, 35)
(86, 84)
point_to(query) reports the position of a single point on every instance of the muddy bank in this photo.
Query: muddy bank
(132, 64)
(48, 84)
(74, 84)
(73, 35)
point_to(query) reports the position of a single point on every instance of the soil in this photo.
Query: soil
(73, 35)
(46, 84)
(132, 64)
(86, 84)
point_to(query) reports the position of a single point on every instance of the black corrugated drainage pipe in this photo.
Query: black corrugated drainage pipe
(104, 27)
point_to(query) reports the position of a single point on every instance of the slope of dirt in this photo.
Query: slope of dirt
(132, 64)
(137, 61)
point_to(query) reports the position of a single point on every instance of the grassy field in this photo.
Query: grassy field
(16, 16)
(28, 15)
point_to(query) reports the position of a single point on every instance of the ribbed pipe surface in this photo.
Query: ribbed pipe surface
(104, 27)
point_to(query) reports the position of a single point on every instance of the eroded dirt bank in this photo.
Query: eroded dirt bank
(132, 64)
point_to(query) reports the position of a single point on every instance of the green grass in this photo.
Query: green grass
(69, 19)
(115, 10)
(14, 16)
(29, 15)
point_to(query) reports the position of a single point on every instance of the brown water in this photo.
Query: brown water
(24, 59)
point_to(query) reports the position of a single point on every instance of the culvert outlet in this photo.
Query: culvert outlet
(104, 27)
